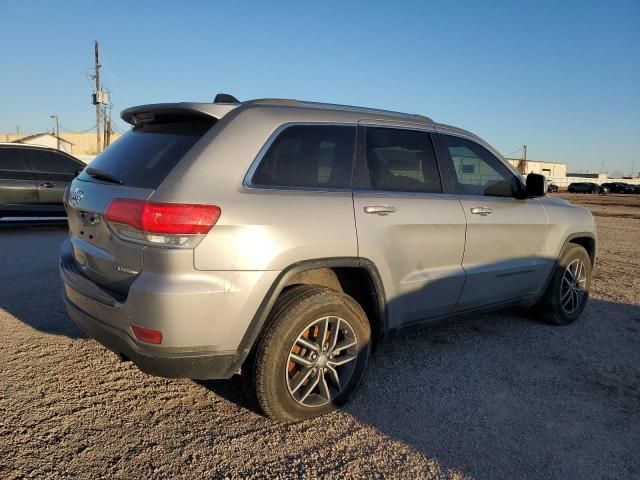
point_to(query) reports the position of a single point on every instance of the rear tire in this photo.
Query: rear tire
(312, 356)
(568, 291)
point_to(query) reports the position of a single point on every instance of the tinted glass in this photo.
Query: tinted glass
(145, 155)
(11, 159)
(51, 162)
(312, 156)
(401, 160)
(477, 171)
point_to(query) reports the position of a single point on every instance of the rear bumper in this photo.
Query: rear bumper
(176, 363)
(203, 317)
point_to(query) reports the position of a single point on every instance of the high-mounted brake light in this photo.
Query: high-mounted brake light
(166, 224)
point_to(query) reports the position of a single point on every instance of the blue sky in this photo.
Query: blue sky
(561, 77)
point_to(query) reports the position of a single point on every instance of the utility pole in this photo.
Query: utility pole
(108, 141)
(57, 129)
(524, 160)
(104, 127)
(97, 76)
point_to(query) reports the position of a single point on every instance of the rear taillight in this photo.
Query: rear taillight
(176, 225)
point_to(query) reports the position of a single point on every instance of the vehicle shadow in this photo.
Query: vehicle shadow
(26, 264)
(503, 395)
(234, 391)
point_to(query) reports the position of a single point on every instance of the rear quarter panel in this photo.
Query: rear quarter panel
(258, 229)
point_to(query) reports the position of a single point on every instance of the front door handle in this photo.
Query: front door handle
(484, 211)
(379, 209)
(48, 185)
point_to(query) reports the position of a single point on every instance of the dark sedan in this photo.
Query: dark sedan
(587, 187)
(33, 180)
(619, 187)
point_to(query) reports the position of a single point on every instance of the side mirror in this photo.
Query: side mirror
(536, 185)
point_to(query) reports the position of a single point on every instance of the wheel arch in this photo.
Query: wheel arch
(587, 240)
(354, 276)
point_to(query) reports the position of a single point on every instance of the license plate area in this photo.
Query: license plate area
(88, 226)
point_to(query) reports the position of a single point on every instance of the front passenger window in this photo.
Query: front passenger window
(477, 171)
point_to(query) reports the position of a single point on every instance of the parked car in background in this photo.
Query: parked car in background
(220, 238)
(619, 187)
(552, 188)
(586, 187)
(33, 180)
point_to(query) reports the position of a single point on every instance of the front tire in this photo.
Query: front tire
(568, 291)
(313, 354)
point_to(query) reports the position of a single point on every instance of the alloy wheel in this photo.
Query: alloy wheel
(573, 286)
(321, 361)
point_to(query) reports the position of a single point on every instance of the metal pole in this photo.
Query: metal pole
(97, 67)
(57, 130)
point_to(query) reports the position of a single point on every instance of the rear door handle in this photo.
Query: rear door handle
(48, 185)
(484, 211)
(379, 209)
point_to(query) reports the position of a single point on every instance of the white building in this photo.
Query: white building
(47, 139)
(548, 169)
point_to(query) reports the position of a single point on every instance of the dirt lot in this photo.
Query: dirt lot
(494, 396)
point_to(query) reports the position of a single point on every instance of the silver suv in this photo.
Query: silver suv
(284, 239)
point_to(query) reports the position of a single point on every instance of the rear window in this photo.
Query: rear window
(144, 156)
(11, 159)
(309, 156)
(52, 162)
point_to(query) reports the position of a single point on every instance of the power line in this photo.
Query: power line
(515, 151)
(117, 128)
(73, 130)
(113, 77)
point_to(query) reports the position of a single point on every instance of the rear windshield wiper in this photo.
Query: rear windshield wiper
(102, 175)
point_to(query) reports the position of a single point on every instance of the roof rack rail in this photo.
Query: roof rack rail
(301, 103)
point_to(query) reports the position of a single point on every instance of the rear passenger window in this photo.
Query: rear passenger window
(11, 159)
(52, 162)
(309, 156)
(477, 171)
(401, 161)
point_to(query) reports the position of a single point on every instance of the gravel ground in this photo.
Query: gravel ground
(492, 396)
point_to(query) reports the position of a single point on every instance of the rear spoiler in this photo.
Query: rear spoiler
(143, 113)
